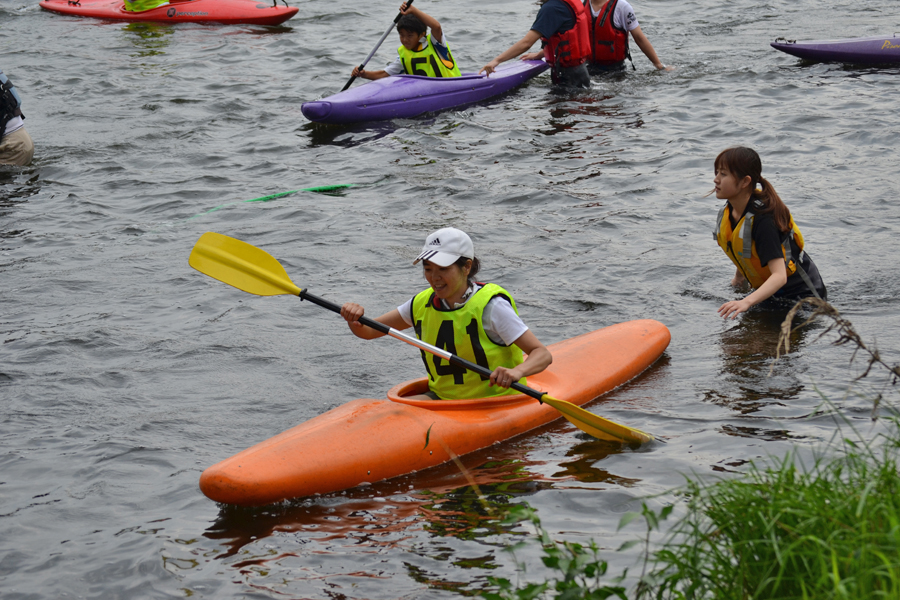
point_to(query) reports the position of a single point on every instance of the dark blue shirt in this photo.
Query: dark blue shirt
(554, 16)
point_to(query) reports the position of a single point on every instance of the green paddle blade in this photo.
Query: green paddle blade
(596, 425)
(241, 265)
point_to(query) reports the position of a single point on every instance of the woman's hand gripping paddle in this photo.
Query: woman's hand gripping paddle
(377, 46)
(255, 271)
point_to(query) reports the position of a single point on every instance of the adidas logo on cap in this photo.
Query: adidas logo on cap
(435, 242)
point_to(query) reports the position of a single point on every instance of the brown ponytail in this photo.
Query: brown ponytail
(742, 162)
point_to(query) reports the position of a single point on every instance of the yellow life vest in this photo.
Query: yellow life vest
(142, 5)
(738, 244)
(461, 332)
(427, 62)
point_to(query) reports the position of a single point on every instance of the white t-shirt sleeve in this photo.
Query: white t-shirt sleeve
(501, 322)
(395, 68)
(624, 17)
(405, 311)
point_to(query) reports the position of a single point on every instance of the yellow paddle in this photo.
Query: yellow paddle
(255, 271)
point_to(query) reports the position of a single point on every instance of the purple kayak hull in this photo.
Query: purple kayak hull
(869, 50)
(405, 96)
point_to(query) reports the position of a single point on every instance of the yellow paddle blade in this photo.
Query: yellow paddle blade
(596, 425)
(239, 264)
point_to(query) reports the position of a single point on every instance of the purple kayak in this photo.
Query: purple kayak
(405, 96)
(868, 50)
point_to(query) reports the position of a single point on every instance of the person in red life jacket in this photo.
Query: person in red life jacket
(610, 23)
(419, 54)
(476, 321)
(562, 27)
(757, 232)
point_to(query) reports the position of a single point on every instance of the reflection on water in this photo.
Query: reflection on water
(584, 458)
(17, 185)
(769, 435)
(149, 38)
(347, 136)
(748, 350)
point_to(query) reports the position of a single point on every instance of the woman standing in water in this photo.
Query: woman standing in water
(757, 232)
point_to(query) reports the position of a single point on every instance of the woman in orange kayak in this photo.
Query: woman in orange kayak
(476, 321)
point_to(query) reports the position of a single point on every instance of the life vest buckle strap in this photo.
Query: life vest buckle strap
(718, 224)
(746, 236)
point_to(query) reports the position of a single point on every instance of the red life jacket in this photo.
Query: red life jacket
(573, 47)
(609, 44)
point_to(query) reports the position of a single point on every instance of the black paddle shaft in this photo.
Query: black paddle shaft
(377, 46)
(454, 359)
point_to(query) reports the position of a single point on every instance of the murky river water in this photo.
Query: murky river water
(124, 373)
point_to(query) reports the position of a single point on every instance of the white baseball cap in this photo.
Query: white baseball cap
(445, 246)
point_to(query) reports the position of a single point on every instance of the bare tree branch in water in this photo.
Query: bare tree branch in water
(846, 334)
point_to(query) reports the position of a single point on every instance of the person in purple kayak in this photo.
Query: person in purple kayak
(419, 53)
(562, 27)
(610, 23)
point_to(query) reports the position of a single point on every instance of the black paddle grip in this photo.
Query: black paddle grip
(380, 327)
(400, 14)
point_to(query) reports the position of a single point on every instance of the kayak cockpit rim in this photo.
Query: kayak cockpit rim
(400, 393)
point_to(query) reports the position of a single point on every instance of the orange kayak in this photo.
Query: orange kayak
(369, 440)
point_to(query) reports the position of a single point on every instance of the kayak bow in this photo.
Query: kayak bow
(868, 50)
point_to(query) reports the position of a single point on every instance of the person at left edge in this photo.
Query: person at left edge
(564, 31)
(476, 321)
(142, 5)
(419, 53)
(16, 146)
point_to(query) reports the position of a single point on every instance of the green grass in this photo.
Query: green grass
(831, 530)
